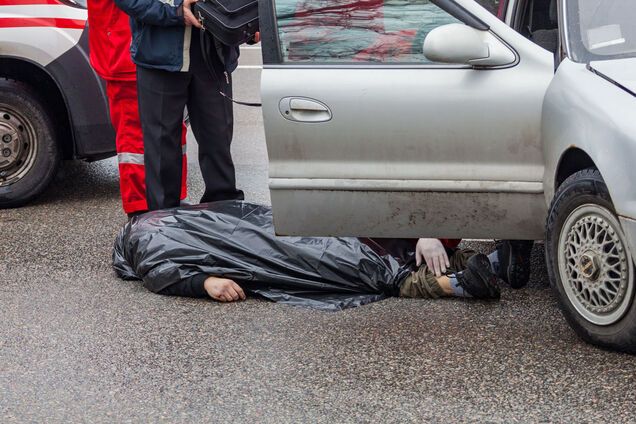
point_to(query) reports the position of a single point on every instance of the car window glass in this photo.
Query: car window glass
(341, 31)
(602, 29)
(496, 7)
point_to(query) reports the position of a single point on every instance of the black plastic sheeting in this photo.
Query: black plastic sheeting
(236, 240)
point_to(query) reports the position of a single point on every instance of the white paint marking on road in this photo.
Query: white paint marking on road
(250, 67)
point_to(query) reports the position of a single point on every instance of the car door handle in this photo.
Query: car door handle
(303, 109)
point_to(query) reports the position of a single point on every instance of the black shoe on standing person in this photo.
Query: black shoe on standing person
(514, 261)
(134, 214)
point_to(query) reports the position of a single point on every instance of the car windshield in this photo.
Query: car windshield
(601, 29)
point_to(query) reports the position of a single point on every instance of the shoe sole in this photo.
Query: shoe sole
(517, 274)
(477, 264)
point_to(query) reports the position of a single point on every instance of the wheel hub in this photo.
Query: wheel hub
(10, 145)
(589, 266)
(595, 267)
(18, 147)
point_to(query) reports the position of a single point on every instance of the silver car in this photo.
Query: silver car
(446, 118)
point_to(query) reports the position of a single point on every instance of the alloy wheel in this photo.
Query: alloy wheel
(595, 264)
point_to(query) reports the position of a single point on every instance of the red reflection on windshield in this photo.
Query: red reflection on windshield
(338, 7)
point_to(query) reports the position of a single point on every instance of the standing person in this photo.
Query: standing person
(109, 43)
(172, 74)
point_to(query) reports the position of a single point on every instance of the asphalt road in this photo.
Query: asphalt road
(79, 345)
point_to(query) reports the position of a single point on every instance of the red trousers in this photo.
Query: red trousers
(124, 115)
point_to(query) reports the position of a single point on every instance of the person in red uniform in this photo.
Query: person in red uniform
(109, 40)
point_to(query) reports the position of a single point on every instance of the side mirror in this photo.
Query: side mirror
(461, 44)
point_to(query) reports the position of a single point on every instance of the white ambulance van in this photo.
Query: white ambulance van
(53, 106)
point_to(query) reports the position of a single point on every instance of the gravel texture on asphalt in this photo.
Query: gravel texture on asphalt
(79, 345)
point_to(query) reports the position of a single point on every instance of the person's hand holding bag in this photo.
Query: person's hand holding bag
(188, 17)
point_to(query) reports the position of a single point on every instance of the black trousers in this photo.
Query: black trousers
(163, 96)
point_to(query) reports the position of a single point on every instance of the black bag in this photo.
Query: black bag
(236, 240)
(232, 22)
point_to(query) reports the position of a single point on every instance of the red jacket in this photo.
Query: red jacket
(109, 41)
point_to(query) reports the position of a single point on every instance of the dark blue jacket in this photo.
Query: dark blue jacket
(160, 39)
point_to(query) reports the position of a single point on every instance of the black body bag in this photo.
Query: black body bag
(236, 239)
(231, 22)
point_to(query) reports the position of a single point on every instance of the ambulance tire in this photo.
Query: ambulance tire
(29, 152)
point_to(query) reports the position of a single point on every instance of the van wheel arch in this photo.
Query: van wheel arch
(39, 79)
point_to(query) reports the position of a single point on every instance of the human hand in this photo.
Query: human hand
(434, 254)
(223, 289)
(256, 38)
(188, 17)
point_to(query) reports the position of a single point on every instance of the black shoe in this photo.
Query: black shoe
(514, 261)
(134, 214)
(478, 279)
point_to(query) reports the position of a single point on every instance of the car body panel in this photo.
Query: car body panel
(405, 214)
(54, 37)
(621, 71)
(591, 107)
(586, 111)
(629, 228)
(39, 33)
(86, 100)
(392, 161)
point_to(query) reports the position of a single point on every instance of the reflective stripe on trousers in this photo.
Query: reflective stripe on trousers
(137, 158)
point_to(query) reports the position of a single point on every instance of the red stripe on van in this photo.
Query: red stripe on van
(42, 22)
(26, 2)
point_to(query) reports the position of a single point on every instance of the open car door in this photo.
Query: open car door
(371, 131)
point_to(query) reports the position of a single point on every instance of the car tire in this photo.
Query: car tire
(29, 152)
(590, 263)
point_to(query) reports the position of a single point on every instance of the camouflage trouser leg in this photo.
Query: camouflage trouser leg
(423, 284)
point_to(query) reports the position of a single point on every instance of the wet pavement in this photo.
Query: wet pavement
(79, 345)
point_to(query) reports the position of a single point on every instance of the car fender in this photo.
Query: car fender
(584, 111)
(54, 37)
